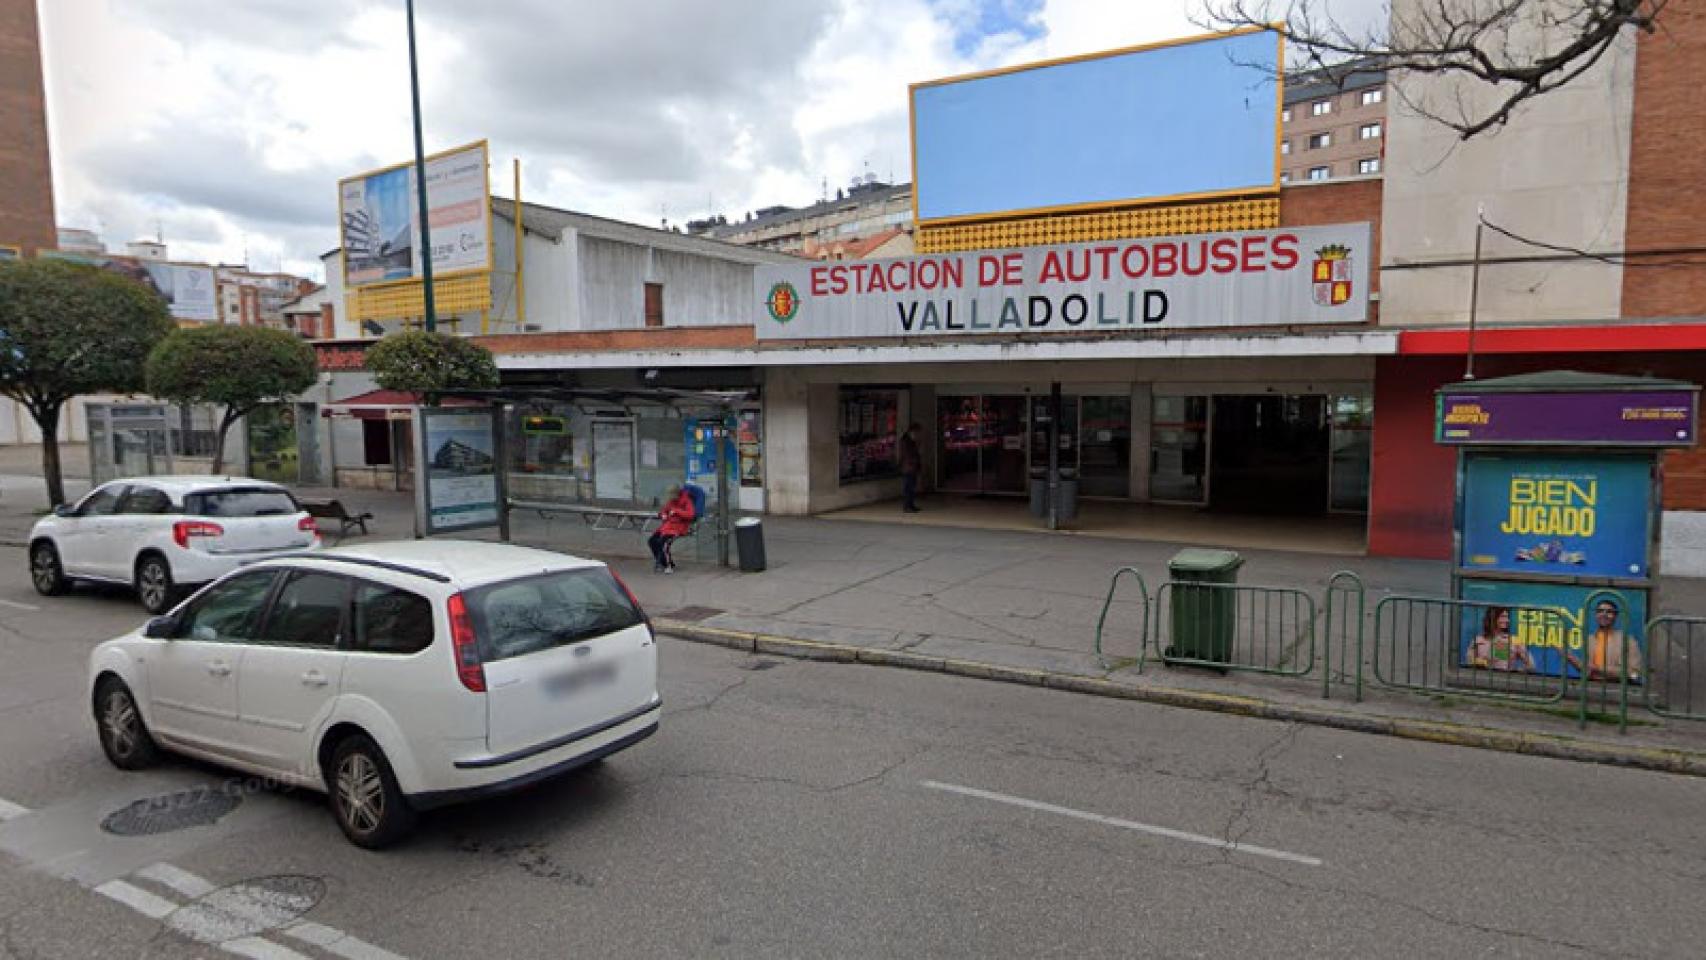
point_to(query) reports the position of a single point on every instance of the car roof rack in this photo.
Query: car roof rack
(432, 575)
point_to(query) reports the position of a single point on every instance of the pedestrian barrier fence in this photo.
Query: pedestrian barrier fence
(1434, 646)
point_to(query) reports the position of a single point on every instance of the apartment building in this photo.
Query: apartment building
(866, 209)
(1333, 128)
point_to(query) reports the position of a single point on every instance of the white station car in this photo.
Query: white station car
(166, 535)
(395, 677)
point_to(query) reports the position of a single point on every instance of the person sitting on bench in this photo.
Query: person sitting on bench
(678, 516)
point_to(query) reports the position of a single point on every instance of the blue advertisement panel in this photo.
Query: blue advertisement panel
(701, 436)
(1583, 516)
(1542, 628)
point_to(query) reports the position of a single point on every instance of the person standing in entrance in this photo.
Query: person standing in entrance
(910, 465)
(678, 516)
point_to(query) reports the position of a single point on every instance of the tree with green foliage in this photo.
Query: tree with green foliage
(431, 363)
(68, 329)
(238, 368)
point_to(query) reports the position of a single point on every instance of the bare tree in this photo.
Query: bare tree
(1518, 49)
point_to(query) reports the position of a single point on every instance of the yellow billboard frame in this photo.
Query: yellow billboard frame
(484, 146)
(1097, 205)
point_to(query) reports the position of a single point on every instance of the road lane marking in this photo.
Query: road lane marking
(138, 899)
(15, 605)
(338, 942)
(182, 881)
(10, 810)
(1150, 829)
(256, 948)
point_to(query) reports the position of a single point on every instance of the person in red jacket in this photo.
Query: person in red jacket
(678, 517)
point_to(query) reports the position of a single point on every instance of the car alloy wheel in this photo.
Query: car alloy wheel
(124, 736)
(154, 585)
(361, 793)
(45, 571)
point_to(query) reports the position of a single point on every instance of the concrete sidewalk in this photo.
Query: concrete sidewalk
(1023, 607)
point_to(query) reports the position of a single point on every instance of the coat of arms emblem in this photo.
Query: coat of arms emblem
(1332, 275)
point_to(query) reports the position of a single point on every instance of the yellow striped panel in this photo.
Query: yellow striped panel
(1173, 220)
(468, 293)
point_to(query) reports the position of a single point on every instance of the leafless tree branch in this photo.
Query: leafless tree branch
(1519, 49)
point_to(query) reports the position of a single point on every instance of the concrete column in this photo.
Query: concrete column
(574, 303)
(787, 443)
(923, 410)
(1142, 399)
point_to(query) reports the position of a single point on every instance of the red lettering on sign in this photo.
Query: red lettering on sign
(1225, 255)
(988, 271)
(1285, 251)
(1142, 254)
(818, 287)
(1051, 269)
(1253, 254)
(1166, 259)
(1202, 258)
(1013, 272)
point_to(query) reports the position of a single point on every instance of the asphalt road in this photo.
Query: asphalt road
(803, 809)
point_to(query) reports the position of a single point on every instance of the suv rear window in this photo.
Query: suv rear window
(241, 502)
(525, 616)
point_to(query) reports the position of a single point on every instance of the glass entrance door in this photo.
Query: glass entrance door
(1104, 448)
(982, 445)
(1003, 467)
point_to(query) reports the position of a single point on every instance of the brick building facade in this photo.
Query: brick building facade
(26, 175)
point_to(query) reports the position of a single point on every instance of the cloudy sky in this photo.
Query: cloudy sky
(225, 126)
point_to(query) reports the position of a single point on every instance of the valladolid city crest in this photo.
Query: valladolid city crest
(1332, 275)
(783, 302)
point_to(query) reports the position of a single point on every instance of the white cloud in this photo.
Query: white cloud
(226, 126)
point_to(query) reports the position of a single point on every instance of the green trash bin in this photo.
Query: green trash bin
(1204, 619)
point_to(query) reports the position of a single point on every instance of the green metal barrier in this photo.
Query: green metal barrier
(1419, 646)
(1593, 678)
(1676, 666)
(1101, 621)
(1344, 608)
(1236, 627)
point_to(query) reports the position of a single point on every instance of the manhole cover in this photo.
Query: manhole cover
(692, 614)
(199, 807)
(247, 908)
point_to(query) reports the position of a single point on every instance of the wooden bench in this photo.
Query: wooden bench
(335, 510)
(603, 518)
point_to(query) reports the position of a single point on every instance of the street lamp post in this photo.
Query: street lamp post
(425, 252)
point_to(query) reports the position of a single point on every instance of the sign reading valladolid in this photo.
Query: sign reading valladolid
(1303, 275)
(380, 218)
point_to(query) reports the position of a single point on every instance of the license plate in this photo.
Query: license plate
(572, 681)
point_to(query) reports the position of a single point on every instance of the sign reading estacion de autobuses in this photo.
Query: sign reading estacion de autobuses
(1304, 275)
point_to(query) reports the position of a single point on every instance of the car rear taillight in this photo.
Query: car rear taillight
(307, 525)
(465, 646)
(633, 600)
(183, 530)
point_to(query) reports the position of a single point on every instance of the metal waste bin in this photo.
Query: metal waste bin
(749, 541)
(1039, 492)
(1205, 618)
(1068, 494)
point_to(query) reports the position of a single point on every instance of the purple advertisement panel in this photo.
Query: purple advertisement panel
(1649, 418)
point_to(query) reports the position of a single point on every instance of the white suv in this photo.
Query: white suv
(166, 535)
(396, 677)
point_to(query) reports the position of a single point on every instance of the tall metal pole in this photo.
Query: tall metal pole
(1474, 297)
(425, 252)
(1054, 455)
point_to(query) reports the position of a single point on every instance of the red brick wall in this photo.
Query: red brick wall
(661, 338)
(26, 179)
(1667, 165)
(1346, 201)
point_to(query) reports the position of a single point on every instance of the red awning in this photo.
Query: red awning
(385, 405)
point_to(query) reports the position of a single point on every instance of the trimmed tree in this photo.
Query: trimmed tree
(431, 363)
(68, 329)
(238, 368)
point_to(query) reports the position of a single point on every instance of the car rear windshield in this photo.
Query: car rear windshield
(525, 616)
(241, 502)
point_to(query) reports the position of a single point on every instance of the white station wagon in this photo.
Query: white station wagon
(395, 677)
(166, 535)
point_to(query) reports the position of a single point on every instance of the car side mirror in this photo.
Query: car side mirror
(160, 628)
(65, 510)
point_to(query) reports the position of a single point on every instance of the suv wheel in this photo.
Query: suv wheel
(124, 736)
(154, 584)
(45, 570)
(365, 798)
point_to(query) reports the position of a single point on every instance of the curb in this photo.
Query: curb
(1554, 746)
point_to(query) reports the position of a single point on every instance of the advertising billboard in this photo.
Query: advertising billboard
(379, 219)
(1578, 516)
(458, 462)
(1111, 128)
(1622, 418)
(1304, 275)
(1543, 628)
(188, 288)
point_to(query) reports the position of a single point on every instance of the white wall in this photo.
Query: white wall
(1558, 172)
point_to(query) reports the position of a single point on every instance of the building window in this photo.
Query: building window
(1372, 97)
(1320, 173)
(870, 434)
(654, 304)
(1320, 108)
(1371, 165)
(1285, 178)
(1319, 140)
(1285, 115)
(1285, 147)
(1368, 131)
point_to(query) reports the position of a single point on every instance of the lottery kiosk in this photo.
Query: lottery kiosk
(1558, 506)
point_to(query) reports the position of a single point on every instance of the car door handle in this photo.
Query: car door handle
(314, 678)
(219, 668)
